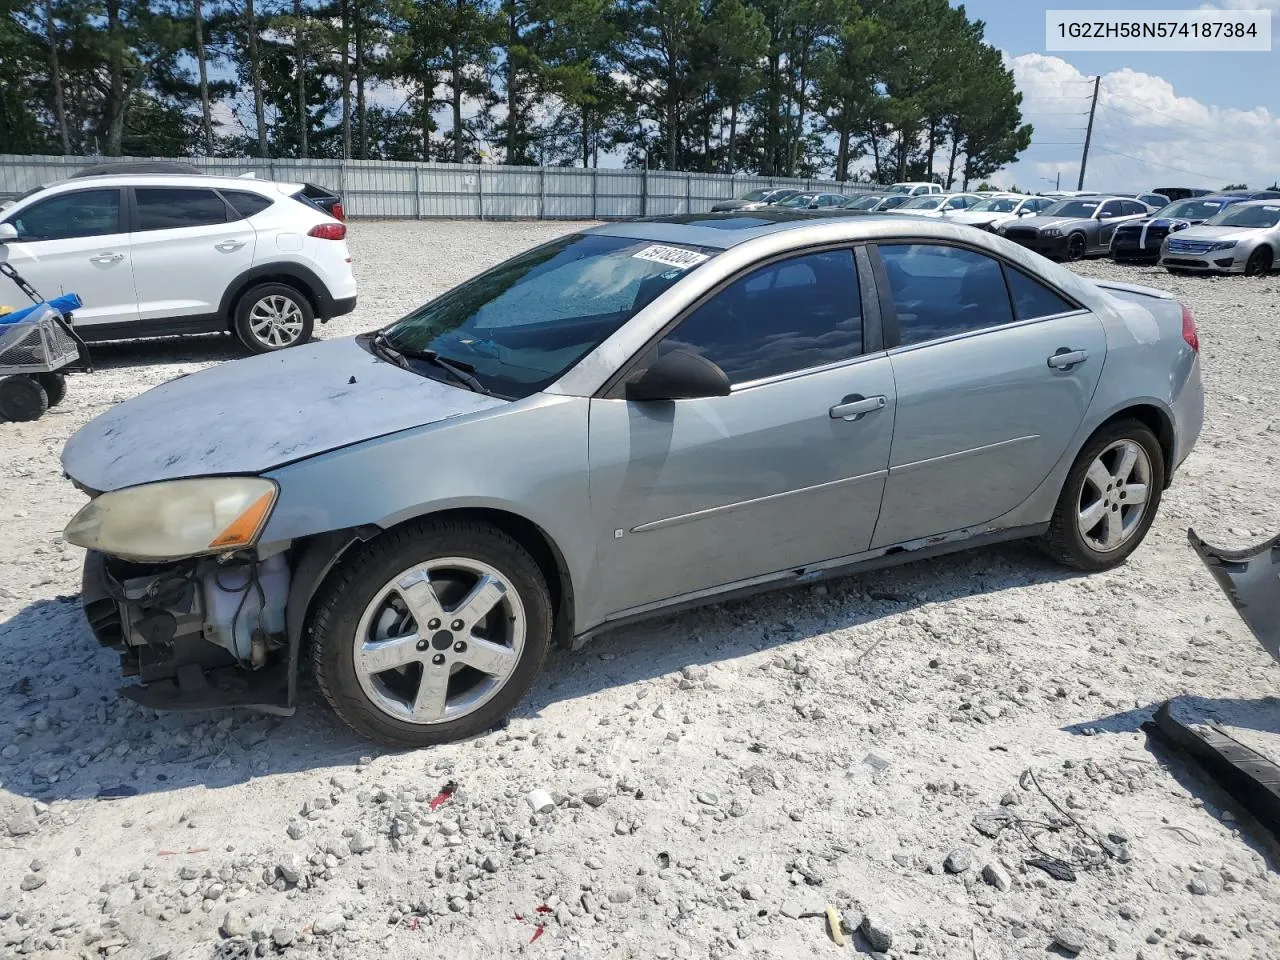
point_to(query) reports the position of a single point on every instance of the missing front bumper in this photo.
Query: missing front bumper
(156, 618)
(1251, 580)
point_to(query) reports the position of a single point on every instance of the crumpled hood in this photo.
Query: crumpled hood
(250, 415)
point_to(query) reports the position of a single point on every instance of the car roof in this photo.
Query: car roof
(1265, 202)
(719, 231)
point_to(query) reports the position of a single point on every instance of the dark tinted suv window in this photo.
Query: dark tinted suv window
(246, 204)
(85, 213)
(940, 291)
(1033, 299)
(792, 315)
(164, 208)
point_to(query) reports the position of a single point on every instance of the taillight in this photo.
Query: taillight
(337, 212)
(1189, 333)
(329, 231)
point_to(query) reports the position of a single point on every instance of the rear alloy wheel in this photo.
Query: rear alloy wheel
(1076, 246)
(1110, 498)
(1259, 262)
(22, 399)
(431, 633)
(273, 316)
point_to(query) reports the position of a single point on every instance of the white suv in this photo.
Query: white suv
(162, 254)
(915, 188)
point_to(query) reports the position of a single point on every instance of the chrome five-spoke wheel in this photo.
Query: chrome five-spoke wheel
(1113, 499)
(439, 640)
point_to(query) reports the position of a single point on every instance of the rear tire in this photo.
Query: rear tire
(1259, 263)
(273, 316)
(55, 385)
(477, 670)
(1097, 522)
(22, 399)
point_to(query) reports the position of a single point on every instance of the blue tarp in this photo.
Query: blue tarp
(63, 304)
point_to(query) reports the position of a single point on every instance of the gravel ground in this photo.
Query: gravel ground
(891, 745)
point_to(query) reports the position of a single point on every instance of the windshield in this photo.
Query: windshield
(799, 200)
(755, 196)
(862, 203)
(922, 203)
(996, 205)
(1195, 209)
(521, 325)
(891, 203)
(902, 188)
(1246, 216)
(1082, 209)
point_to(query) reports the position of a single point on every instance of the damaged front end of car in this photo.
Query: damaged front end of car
(1251, 580)
(175, 581)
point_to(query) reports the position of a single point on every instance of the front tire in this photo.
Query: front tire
(22, 399)
(1109, 500)
(273, 316)
(431, 632)
(1259, 262)
(1076, 247)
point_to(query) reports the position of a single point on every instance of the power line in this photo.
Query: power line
(1165, 166)
(1203, 144)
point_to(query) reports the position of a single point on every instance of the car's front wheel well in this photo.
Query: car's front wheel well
(1155, 420)
(540, 546)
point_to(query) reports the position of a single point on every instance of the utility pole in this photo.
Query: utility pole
(1088, 133)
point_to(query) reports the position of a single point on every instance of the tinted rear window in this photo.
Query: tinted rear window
(164, 208)
(245, 203)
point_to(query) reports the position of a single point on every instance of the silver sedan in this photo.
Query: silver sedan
(612, 425)
(1243, 238)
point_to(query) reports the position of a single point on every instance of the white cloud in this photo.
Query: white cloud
(1144, 132)
(1272, 5)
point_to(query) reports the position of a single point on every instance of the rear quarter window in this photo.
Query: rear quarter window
(246, 204)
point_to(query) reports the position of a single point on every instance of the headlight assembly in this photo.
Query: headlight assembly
(1223, 245)
(174, 519)
(1050, 232)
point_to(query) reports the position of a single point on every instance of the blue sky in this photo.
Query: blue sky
(1192, 118)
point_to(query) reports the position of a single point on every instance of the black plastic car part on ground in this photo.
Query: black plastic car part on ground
(1251, 580)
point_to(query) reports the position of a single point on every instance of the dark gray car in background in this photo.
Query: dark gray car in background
(755, 200)
(1075, 227)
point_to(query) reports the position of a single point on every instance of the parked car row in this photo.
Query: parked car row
(1073, 224)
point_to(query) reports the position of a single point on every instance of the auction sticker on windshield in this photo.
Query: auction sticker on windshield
(671, 256)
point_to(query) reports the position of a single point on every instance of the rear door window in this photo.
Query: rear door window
(940, 291)
(167, 208)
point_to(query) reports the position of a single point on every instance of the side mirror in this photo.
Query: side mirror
(680, 375)
(8, 233)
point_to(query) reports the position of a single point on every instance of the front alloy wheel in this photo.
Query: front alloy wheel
(431, 632)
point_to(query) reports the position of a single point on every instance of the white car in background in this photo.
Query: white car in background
(992, 211)
(938, 204)
(162, 254)
(914, 188)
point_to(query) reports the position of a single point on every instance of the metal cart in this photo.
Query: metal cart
(38, 348)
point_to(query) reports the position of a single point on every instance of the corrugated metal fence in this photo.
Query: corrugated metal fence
(381, 188)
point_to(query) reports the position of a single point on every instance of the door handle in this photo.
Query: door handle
(856, 406)
(229, 246)
(107, 258)
(1065, 358)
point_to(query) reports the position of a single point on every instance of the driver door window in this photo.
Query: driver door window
(85, 213)
(791, 315)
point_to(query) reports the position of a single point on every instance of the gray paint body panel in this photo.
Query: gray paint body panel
(708, 494)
